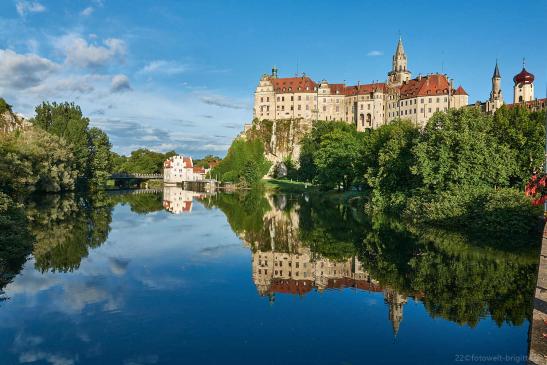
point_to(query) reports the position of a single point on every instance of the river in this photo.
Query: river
(178, 277)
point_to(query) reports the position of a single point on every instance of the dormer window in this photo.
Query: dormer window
(290, 89)
(307, 88)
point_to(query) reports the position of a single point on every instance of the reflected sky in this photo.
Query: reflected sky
(182, 288)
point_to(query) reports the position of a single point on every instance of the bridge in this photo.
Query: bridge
(136, 176)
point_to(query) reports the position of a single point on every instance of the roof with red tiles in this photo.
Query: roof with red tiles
(187, 162)
(460, 91)
(365, 88)
(199, 169)
(435, 84)
(293, 84)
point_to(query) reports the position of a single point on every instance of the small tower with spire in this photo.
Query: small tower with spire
(496, 97)
(399, 72)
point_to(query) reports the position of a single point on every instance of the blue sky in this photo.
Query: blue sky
(180, 74)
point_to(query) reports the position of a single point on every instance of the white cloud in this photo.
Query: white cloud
(88, 11)
(82, 54)
(24, 7)
(164, 67)
(23, 71)
(375, 53)
(120, 83)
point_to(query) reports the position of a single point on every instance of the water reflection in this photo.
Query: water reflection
(300, 246)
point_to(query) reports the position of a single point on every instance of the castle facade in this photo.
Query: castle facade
(364, 105)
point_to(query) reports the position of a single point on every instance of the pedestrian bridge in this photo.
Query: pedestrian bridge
(136, 176)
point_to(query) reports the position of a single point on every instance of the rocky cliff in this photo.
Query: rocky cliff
(9, 121)
(281, 138)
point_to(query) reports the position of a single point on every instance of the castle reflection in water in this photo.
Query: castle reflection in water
(282, 264)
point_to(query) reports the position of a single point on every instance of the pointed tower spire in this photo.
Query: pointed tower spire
(496, 71)
(400, 49)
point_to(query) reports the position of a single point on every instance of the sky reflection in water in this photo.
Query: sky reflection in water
(203, 286)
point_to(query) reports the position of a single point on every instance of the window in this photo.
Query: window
(430, 100)
(422, 101)
(292, 98)
(282, 98)
(299, 107)
(438, 99)
(261, 99)
(299, 97)
(278, 99)
(324, 108)
(268, 99)
(429, 110)
(307, 107)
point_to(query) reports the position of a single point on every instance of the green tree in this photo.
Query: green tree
(523, 132)
(244, 163)
(458, 148)
(34, 160)
(100, 158)
(337, 159)
(66, 120)
(387, 160)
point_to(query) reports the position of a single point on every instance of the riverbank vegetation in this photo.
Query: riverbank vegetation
(244, 163)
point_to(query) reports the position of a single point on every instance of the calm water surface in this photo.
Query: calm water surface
(187, 278)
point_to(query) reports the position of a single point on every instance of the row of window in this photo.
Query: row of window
(413, 111)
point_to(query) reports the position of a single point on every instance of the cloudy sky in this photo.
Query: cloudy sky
(180, 74)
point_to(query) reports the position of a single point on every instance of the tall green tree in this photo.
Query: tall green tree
(387, 160)
(67, 121)
(100, 158)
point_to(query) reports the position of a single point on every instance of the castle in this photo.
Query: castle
(364, 105)
(372, 105)
(523, 93)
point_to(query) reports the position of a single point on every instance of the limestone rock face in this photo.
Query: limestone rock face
(282, 139)
(10, 121)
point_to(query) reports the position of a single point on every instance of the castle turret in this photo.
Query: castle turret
(524, 86)
(496, 97)
(399, 72)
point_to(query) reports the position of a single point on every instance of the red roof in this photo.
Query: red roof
(435, 84)
(199, 169)
(291, 286)
(293, 84)
(365, 88)
(523, 77)
(460, 91)
(337, 88)
(187, 162)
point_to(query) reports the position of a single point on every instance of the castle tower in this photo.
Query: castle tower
(524, 86)
(395, 302)
(399, 72)
(496, 97)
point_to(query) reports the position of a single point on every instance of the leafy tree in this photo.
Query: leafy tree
(142, 161)
(101, 157)
(244, 163)
(34, 160)
(66, 120)
(339, 135)
(336, 159)
(458, 148)
(387, 160)
(523, 132)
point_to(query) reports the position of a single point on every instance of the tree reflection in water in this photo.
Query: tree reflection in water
(300, 243)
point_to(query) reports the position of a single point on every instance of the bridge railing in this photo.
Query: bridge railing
(136, 176)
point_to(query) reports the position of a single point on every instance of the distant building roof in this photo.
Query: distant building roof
(435, 84)
(293, 84)
(460, 91)
(365, 88)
